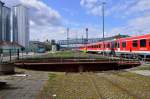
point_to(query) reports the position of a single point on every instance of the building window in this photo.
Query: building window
(124, 44)
(143, 43)
(135, 43)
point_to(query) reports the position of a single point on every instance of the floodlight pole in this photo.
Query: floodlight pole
(86, 38)
(86, 35)
(67, 38)
(103, 15)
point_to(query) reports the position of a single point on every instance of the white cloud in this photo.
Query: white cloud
(120, 8)
(140, 6)
(88, 3)
(42, 13)
(93, 7)
(135, 26)
(136, 13)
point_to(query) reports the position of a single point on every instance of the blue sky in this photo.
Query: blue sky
(50, 18)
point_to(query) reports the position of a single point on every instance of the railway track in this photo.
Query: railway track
(108, 89)
(104, 85)
(133, 85)
(95, 87)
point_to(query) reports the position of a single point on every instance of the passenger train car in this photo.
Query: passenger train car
(137, 45)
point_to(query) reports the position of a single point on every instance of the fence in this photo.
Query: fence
(7, 55)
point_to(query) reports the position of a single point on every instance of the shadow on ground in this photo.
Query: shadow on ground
(5, 86)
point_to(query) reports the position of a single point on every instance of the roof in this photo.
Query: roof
(137, 37)
(4, 43)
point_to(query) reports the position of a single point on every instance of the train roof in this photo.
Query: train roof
(127, 38)
(137, 37)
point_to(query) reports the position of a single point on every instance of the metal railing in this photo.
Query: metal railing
(8, 55)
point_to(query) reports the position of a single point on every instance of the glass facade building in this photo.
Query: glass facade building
(21, 25)
(6, 28)
(5, 23)
(1, 6)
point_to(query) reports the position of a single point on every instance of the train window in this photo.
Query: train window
(112, 45)
(108, 45)
(123, 44)
(99, 46)
(118, 45)
(115, 44)
(143, 43)
(134, 43)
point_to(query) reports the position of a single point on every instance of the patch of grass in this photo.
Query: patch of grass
(52, 76)
(66, 55)
(143, 67)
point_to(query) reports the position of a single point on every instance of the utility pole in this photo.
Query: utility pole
(86, 38)
(82, 39)
(86, 35)
(68, 38)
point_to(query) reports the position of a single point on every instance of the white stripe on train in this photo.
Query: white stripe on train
(139, 52)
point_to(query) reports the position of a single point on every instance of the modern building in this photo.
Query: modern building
(1, 7)
(5, 23)
(21, 25)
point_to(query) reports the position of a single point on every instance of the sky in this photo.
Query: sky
(49, 19)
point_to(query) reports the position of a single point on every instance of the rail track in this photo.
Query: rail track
(107, 86)
(102, 85)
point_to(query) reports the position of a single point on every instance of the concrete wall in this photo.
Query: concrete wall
(6, 69)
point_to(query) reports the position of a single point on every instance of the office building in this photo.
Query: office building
(1, 6)
(6, 24)
(21, 25)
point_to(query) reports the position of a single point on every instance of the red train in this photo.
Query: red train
(137, 46)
